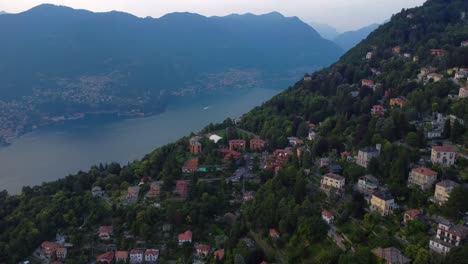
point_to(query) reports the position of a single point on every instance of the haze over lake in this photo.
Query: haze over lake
(54, 152)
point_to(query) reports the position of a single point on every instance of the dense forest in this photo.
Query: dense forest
(288, 200)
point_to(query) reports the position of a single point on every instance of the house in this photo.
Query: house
(257, 144)
(324, 162)
(96, 191)
(461, 74)
(382, 202)
(195, 146)
(61, 253)
(105, 232)
(248, 196)
(400, 101)
(294, 141)
(391, 255)
(366, 154)
(368, 184)
(437, 52)
(435, 77)
(185, 237)
(448, 236)
(407, 55)
(463, 93)
(121, 256)
(368, 83)
(464, 43)
(434, 134)
(443, 190)
(136, 256)
(237, 144)
(312, 135)
(327, 217)
(278, 158)
(369, 55)
(190, 166)
(443, 155)
(411, 215)
(422, 177)
(274, 233)
(229, 154)
(107, 257)
(424, 72)
(202, 250)
(307, 78)
(215, 138)
(334, 181)
(49, 248)
(132, 194)
(154, 191)
(151, 255)
(182, 189)
(378, 110)
(219, 254)
(396, 50)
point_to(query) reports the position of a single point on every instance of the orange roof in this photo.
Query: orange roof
(121, 254)
(106, 229)
(49, 245)
(106, 257)
(444, 149)
(327, 214)
(413, 213)
(219, 254)
(202, 248)
(274, 233)
(187, 235)
(426, 171)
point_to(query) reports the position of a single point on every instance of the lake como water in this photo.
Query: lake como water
(54, 152)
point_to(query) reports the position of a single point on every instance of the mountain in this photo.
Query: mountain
(349, 39)
(275, 215)
(3, 12)
(176, 52)
(326, 31)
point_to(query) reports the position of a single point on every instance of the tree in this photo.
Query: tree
(457, 204)
(412, 139)
(423, 257)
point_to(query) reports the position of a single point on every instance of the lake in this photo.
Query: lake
(54, 152)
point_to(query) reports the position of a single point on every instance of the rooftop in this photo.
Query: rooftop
(425, 171)
(334, 176)
(383, 195)
(447, 183)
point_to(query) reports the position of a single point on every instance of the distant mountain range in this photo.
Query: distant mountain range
(54, 46)
(345, 40)
(349, 39)
(326, 31)
(2, 12)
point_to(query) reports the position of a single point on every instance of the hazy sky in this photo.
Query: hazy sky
(342, 14)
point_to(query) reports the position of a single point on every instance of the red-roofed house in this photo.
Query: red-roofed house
(368, 83)
(219, 254)
(443, 155)
(49, 247)
(182, 189)
(185, 237)
(151, 255)
(202, 250)
(195, 146)
(411, 215)
(229, 154)
(106, 257)
(435, 76)
(61, 253)
(331, 180)
(105, 232)
(327, 217)
(274, 233)
(422, 177)
(378, 110)
(400, 101)
(437, 52)
(257, 144)
(121, 256)
(190, 166)
(237, 144)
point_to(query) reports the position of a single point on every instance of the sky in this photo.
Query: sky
(342, 14)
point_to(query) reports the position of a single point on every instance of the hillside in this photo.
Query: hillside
(321, 194)
(349, 39)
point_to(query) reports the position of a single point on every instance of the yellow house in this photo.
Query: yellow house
(443, 190)
(382, 202)
(330, 181)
